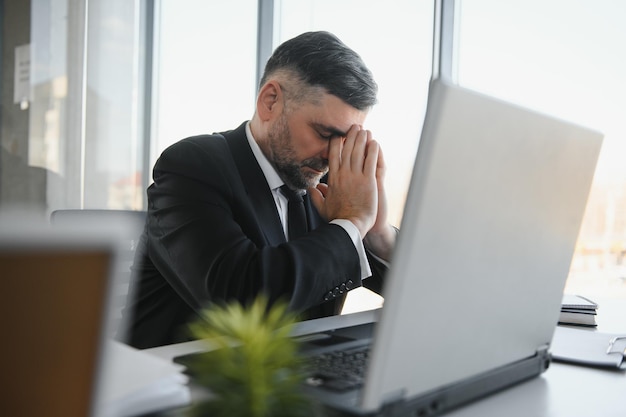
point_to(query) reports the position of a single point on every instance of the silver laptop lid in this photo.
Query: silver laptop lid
(490, 224)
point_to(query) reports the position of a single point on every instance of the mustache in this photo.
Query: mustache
(316, 164)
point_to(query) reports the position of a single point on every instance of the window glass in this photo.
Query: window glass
(112, 168)
(565, 58)
(205, 68)
(69, 125)
(34, 102)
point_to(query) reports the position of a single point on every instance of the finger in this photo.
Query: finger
(348, 146)
(381, 167)
(322, 188)
(360, 149)
(334, 154)
(371, 159)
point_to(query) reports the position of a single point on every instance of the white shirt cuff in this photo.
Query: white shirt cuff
(354, 234)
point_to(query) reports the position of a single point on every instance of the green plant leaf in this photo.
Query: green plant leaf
(253, 368)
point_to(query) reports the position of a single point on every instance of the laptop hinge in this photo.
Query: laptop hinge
(543, 351)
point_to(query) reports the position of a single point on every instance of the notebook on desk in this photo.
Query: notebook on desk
(493, 212)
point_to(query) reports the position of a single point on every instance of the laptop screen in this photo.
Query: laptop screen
(490, 225)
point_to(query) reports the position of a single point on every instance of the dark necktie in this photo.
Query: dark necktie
(296, 216)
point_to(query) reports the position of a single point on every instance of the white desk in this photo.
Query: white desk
(562, 391)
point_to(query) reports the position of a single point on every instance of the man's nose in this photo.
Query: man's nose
(325, 150)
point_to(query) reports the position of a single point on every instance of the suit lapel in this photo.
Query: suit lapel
(256, 186)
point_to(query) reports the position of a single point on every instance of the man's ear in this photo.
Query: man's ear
(269, 101)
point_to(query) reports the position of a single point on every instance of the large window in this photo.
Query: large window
(73, 126)
(69, 110)
(204, 68)
(566, 58)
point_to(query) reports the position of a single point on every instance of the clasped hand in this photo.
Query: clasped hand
(355, 189)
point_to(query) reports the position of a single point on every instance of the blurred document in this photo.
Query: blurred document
(136, 382)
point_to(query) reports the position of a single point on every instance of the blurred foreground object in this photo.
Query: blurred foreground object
(56, 287)
(254, 368)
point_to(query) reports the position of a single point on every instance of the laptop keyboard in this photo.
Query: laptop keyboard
(339, 370)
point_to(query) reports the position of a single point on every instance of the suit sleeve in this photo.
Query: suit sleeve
(206, 240)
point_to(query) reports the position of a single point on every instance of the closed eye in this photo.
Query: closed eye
(327, 136)
(327, 132)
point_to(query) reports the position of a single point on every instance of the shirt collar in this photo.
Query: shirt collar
(271, 176)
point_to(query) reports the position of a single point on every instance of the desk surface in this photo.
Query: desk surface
(562, 391)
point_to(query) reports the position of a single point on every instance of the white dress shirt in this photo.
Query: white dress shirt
(275, 182)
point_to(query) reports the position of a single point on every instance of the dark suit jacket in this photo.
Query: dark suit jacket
(213, 234)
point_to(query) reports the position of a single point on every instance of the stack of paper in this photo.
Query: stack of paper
(577, 310)
(134, 382)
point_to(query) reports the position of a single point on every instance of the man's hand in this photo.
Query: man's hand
(381, 238)
(352, 190)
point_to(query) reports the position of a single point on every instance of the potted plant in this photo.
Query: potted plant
(253, 367)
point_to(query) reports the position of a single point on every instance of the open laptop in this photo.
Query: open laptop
(54, 315)
(473, 294)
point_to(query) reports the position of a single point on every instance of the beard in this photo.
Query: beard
(286, 163)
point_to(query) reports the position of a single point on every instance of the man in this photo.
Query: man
(219, 225)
